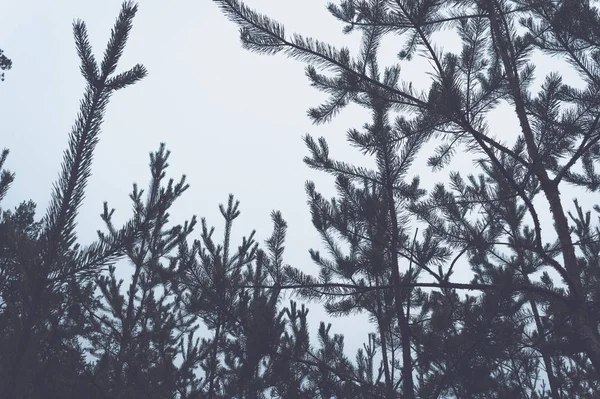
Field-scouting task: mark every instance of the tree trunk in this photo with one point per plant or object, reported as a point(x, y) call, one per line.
point(403, 322)
point(585, 329)
point(543, 350)
point(213, 359)
point(384, 351)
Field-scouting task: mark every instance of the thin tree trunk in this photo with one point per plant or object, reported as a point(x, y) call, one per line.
point(403, 322)
point(407, 377)
point(384, 352)
point(213, 360)
point(543, 350)
point(120, 388)
point(584, 328)
point(393, 360)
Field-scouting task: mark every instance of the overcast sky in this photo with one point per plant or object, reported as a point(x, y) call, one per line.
point(233, 120)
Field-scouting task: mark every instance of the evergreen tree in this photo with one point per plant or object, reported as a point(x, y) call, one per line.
point(204, 319)
point(246, 325)
point(208, 282)
point(46, 275)
point(68, 330)
point(138, 336)
point(489, 218)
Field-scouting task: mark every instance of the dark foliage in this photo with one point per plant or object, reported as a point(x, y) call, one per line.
point(5, 64)
point(533, 331)
point(207, 317)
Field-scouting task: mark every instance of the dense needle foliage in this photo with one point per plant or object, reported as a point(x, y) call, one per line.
point(206, 317)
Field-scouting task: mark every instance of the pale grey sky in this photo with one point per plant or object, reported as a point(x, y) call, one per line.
point(233, 120)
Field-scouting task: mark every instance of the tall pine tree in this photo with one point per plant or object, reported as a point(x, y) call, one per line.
point(489, 218)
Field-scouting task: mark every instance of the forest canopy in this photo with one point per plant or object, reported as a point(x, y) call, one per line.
point(208, 317)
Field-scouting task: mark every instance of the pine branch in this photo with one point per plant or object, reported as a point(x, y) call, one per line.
point(6, 177)
point(69, 190)
point(351, 289)
point(259, 33)
point(118, 39)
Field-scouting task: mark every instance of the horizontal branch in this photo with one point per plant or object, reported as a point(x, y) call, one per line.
point(523, 288)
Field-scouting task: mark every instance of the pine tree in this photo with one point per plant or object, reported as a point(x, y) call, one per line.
point(489, 218)
point(247, 325)
point(137, 336)
point(69, 329)
point(259, 323)
point(208, 282)
point(365, 215)
point(45, 272)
